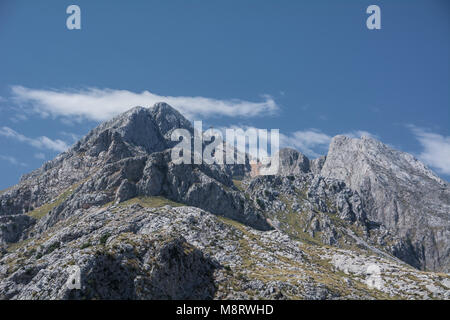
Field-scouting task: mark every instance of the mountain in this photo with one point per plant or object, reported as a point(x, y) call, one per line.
point(399, 192)
point(139, 226)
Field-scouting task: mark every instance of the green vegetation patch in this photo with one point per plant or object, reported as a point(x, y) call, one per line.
point(238, 184)
point(294, 223)
point(238, 225)
point(52, 247)
point(43, 210)
point(17, 245)
point(105, 238)
point(151, 202)
point(86, 245)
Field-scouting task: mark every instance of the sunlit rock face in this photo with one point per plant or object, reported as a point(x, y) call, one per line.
point(399, 192)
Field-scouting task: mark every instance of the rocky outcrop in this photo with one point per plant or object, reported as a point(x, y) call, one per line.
point(319, 210)
point(400, 193)
point(206, 187)
point(316, 165)
point(291, 162)
point(13, 227)
point(137, 132)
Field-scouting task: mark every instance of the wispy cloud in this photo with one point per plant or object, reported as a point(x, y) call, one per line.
point(39, 155)
point(311, 142)
point(436, 149)
point(18, 117)
point(72, 136)
point(314, 142)
point(103, 104)
point(12, 160)
point(42, 142)
point(307, 141)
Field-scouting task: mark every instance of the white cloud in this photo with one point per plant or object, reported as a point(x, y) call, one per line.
point(246, 130)
point(42, 142)
point(310, 142)
point(18, 117)
point(314, 143)
point(39, 156)
point(12, 160)
point(436, 149)
point(103, 104)
point(72, 136)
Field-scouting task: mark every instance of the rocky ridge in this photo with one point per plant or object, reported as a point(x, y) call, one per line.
point(141, 227)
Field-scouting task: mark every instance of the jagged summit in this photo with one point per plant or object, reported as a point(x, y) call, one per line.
point(399, 192)
point(138, 131)
point(292, 162)
point(161, 113)
point(375, 153)
point(143, 130)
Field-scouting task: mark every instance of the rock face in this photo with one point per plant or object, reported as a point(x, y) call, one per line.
point(139, 226)
point(291, 162)
point(13, 227)
point(400, 193)
point(126, 157)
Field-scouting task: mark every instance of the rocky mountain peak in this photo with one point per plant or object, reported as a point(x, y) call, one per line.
point(370, 152)
point(399, 192)
point(126, 157)
point(168, 119)
point(141, 130)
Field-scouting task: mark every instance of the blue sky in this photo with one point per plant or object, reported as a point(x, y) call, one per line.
point(310, 68)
